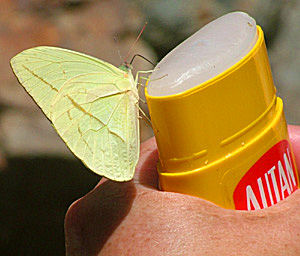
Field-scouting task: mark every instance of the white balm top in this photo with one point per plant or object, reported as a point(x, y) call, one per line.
point(210, 51)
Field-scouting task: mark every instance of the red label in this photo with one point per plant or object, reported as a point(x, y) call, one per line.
point(271, 179)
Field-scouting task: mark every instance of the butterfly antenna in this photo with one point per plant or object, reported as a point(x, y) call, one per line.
point(138, 37)
point(120, 56)
point(118, 49)
point(141, 56)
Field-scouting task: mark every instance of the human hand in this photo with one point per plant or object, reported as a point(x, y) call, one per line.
point(135, 218)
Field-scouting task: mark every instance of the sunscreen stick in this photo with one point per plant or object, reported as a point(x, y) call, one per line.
point(219, 126)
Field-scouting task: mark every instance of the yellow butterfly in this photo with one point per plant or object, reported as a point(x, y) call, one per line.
point(92, 105)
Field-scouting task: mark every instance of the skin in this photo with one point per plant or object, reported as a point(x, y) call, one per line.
point(135, 218)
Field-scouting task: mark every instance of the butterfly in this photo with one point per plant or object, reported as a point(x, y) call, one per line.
point(92, 105)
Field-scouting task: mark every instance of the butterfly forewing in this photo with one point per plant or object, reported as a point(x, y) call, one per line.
point(91, 103)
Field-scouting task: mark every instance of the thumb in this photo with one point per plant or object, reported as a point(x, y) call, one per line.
point(145, 172)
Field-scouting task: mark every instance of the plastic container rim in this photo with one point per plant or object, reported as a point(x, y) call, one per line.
point(207, 83)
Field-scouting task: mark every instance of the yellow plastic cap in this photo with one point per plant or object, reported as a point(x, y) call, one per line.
point(209, 136)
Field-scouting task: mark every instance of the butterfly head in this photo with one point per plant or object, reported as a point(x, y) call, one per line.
point(127, 67)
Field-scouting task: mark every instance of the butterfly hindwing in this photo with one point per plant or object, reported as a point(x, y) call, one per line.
point(102, 127)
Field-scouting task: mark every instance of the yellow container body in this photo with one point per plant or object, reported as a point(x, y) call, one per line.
point(209, 136)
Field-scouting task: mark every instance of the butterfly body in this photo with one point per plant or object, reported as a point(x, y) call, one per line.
point(92, 105)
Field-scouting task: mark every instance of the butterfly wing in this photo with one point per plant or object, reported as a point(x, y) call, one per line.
point(43, 70)
point(91, 103)
point(98, 121)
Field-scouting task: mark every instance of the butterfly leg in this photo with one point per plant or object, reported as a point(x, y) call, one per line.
point(145, 78)
point(141, 72)
point(159, 78)
point(144, 116)
point(143, 101)
point(139, 85)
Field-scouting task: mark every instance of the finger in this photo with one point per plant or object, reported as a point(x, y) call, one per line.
point(145, 172)
point(92, 219)
point(294, 132)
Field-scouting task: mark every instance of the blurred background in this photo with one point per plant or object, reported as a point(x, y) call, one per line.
point(39, 177)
